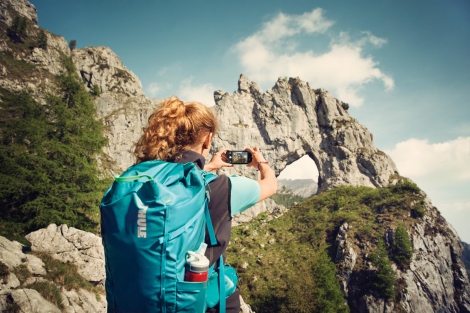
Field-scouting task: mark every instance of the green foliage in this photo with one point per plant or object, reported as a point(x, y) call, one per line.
point(95, 91)
point(405, 186)
point(18, 29)
point(65, 274)
point(22, 273)
point(418, 211)
point(345, 105)
point(316, 290)
point(277, 260)
point(42, 40)
point(16, 68)
point(402, 251)
point(48, 291)
point(72, 44)
point(385, 280)
point(286, 197)
point(48, 172)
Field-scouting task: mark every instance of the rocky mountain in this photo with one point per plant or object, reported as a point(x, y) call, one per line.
point(291, 120)
point(466, 256)
point(286, 122)
point(301, 187)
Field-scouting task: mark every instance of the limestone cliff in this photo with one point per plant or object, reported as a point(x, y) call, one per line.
point(291, 120)
point(121, 104)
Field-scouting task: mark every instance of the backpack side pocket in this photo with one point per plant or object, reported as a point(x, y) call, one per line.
point(190, 297)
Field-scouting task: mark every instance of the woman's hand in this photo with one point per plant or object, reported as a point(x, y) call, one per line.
point(257, 157)
point(218, 161)
point(268, 180)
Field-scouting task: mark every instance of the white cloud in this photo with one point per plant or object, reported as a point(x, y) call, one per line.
point(442, 170)
point(303, 168)
point(447, 162)
point(271, 53)
point(458, 215)
point(153, 89)
point(201, 93)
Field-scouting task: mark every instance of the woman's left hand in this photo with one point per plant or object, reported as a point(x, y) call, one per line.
point(218, 161)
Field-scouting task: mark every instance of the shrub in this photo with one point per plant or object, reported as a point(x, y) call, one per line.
point(384, 280)
point(18, 29)
point(95, 91)
point(401, 248)
point(42, 40)
point(405, 186)
point(72, 44)
point(418, 211)
point(48, 291)
point(345, 105)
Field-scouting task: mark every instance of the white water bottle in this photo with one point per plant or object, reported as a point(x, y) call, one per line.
point(197, 265)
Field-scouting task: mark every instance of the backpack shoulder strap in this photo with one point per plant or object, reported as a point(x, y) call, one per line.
point(209, 177)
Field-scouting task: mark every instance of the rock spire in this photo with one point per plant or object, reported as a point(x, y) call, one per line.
point(291, 120)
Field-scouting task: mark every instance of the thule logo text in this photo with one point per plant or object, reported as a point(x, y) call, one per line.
point(142, 222)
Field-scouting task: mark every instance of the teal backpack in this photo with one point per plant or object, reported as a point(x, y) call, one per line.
point(151, 216)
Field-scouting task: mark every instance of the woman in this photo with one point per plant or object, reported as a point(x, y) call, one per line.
point(182, 132)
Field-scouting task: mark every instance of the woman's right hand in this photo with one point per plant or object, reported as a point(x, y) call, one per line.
point(268, 180)
point(257, 157)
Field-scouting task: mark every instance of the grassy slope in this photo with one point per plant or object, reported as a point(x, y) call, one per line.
point(278, 260)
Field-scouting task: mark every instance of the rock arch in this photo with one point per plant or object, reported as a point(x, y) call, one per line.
point(291, 120)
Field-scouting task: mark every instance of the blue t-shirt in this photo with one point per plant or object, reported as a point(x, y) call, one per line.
point(244, 193)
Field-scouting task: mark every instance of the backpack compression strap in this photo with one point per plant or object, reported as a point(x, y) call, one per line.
point(221, 282)
point(209, 177)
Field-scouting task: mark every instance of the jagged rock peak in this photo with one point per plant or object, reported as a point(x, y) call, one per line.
point(102, 67)
point(291, 120)
point(9, 9)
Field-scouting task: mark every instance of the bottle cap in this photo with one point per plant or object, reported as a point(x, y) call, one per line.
point(196, 262)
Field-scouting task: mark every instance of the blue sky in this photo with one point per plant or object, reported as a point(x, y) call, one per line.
point(403, 66)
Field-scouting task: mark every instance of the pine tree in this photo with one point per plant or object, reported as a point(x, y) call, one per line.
point(48, 172)
point(402, 251)
point(72, 44)
point(385, 281)
point(316, 290)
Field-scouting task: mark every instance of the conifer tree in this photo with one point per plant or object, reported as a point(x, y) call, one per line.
point(384, 282)
point(72, 44)
point(402, 251)
point(48, 172)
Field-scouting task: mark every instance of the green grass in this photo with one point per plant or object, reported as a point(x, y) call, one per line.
point(66, 274)
point(58, 274)
point(48, 291)
point(275, 257)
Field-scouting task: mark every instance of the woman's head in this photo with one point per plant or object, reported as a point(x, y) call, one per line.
point(174, 127)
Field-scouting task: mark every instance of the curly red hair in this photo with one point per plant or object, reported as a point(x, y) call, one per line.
point(174, 127)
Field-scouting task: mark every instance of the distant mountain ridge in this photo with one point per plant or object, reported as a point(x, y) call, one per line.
point(301, 187)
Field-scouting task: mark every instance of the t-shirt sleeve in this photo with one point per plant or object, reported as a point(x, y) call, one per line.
point(244, 193)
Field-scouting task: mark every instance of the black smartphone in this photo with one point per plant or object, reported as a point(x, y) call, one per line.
point(238, 157)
